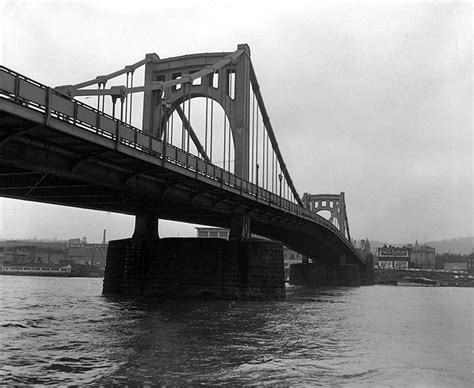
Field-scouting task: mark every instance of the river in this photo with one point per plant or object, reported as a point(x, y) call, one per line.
point(61, 331)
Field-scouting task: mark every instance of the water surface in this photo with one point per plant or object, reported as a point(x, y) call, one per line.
point(61, 331)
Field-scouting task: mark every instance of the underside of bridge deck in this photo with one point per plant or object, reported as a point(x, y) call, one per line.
point(38, 163)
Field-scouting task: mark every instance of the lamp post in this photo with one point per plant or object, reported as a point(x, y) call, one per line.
point(256, 179)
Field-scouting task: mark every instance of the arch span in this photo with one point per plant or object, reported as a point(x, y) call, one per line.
point(201, 126)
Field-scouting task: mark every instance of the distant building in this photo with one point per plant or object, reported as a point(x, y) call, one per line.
point(454, 262)
point(220, 233)
point(365, 246)
point(213, 233)
point(75, 251)
point(80, 252)
point(21, 252)
point(362, 245)
point(393, 257)
point(470, 264)
point(77, 242)
point(422, 256)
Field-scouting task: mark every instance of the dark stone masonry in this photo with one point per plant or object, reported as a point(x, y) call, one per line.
point(195, 268)
point(322, 275)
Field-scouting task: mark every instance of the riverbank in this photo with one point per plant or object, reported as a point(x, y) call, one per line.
point(52, 270)
point(443, 277)
point(86, 271)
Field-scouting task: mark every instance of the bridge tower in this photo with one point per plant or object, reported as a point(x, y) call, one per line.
point(340, 271)
point(228, 85)
point(335, 204)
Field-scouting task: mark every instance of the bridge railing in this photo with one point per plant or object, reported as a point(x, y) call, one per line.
point(33, 95)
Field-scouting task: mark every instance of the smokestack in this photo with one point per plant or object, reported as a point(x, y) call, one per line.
point(105, 233)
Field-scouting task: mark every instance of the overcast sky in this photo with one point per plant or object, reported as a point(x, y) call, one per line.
point(371, 99)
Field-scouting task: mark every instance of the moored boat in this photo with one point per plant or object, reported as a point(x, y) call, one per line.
point(36, 269)
point(418, 282)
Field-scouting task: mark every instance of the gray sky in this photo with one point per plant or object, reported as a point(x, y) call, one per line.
point(371, 99)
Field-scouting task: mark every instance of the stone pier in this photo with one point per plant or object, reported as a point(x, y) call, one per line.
point(194, 268)
point(146, 265)
point(322, 275)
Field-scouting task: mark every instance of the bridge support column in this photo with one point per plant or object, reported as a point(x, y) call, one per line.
point(240, 228)
point(128, 260)
point(146, 226)
point(367, 271)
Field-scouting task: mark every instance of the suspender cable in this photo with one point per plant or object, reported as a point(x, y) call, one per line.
point(230, 83)
point(229, 133)
point(166, 116)
point(230, 129)
point(131, 100)
point(264, 130)
point(171, 127)
point(263, 155)
point(273, 171)
point(206, 86)
point(225, 85)
point(183, 146)
point(266, 120)
point(265, 163)
point(276, 172)
point(103, 99)
point(189, 116)
point(212, 128)
point(256, 148)
point(225, 134)
point(252, 133)
point(98, 97)
point(167, 128)
point(266, 154)
point(165, 136)
point(126, 102)
point(159, 130)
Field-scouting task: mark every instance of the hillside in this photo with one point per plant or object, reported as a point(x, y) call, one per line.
point(464, 245)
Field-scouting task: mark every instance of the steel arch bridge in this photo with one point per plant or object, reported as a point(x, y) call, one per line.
point(231, 173)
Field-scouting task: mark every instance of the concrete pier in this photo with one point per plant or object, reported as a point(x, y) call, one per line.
point(195, 268)
point(322, 275)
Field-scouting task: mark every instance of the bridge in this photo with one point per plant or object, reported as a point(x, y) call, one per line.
point(206, 153)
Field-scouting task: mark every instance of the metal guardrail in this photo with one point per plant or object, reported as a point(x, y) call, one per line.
point(52, 104)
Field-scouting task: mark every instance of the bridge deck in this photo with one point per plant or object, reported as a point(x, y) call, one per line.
point(58, 150)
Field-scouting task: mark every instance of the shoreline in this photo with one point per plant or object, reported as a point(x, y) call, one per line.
point(444, 278)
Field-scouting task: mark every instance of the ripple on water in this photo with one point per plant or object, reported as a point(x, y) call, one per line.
point(65, 333)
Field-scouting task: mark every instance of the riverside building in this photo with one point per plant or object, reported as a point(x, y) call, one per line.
point(393, 257)
point(422, 256)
